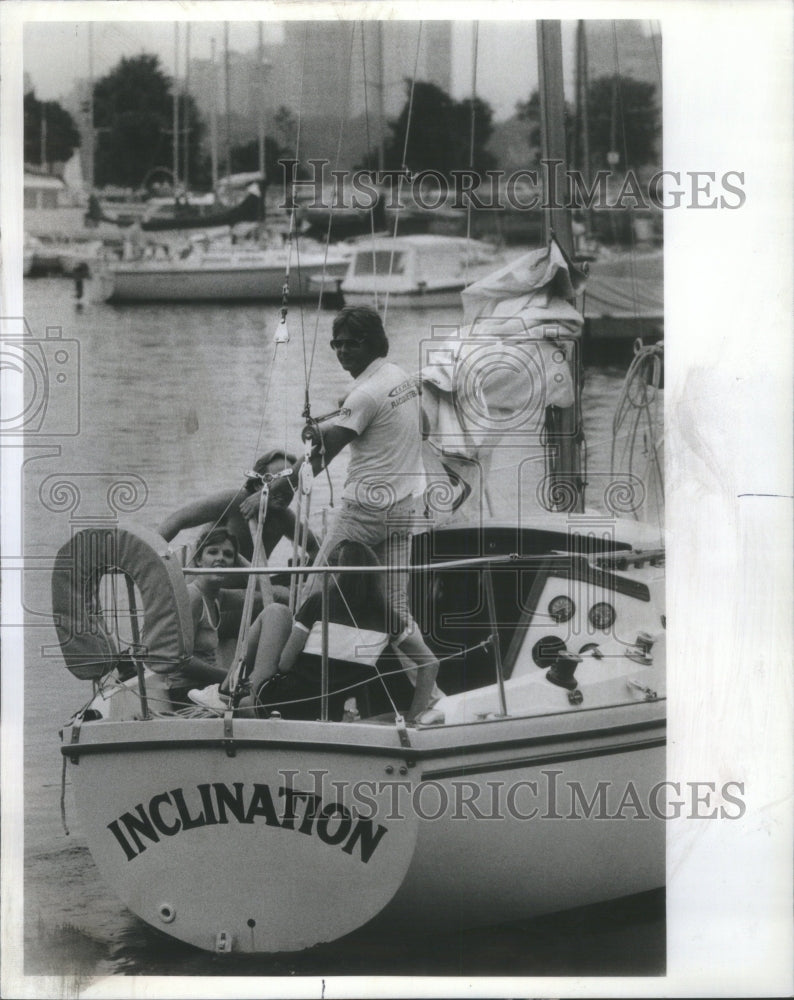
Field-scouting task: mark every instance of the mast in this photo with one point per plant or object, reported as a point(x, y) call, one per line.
point(43, 138)
point(186, 117)
point(381, 111)
point(175, 144)
point(557, 219)
point(583, 110)
point(90, 131)
point(261, 94)
point(228, 101)
point(563, 425)
point(214, 119)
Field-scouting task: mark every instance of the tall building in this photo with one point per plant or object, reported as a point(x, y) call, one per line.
point(336, 76)
point(623, 47)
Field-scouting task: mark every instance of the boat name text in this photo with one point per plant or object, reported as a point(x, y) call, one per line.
point(169, 813)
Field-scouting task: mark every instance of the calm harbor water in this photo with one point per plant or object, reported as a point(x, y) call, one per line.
point(171, 402)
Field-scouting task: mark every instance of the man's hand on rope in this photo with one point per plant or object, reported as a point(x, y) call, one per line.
point(249, 507)
point(281, 494)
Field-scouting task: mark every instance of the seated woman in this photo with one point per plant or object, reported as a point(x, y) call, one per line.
point(284, 657)
point(223, 508)
point(215, 548)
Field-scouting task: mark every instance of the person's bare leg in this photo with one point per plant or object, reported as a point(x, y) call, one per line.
point(267, 639)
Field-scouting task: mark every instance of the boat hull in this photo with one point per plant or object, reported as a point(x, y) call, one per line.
point(217, 838)
point(431, 298)
point(210, 282)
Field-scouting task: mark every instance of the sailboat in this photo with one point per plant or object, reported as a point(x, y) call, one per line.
point(533, 784)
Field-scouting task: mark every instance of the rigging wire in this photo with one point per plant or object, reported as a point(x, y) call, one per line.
point(474, 52)
point(653, 28)
point(358, 630)
point(342, 121)
point(621, 113)
point(369, 155)
point(638, 406)
point(646, 368)
point(403, 164)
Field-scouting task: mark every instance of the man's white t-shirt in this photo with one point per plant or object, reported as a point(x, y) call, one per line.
point(384, 409)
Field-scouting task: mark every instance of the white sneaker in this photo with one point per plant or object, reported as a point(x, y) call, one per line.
point(209, 697)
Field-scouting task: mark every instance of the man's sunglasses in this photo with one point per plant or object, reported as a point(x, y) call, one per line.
point(352, 343)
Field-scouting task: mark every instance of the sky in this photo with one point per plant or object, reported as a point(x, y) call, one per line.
point(57, 53)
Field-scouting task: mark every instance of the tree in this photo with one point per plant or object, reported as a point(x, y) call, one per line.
point(59, 131)
point(439, 132)
point(133, 116)
point(529, 111)
point(634, 126)
point(623, 117)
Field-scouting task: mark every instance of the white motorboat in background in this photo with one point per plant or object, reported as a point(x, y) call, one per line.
point(414, 271)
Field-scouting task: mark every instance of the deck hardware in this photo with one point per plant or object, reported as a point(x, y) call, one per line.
point(228, 733)
point(403, 769)
point(402, 731)
point(562, 670)
point(593, 649)
point(223, 941)
point(575, 697)
point(77, 722)
point(649, 693)
point(642, 650)
point(389, 769)
point(546, 650)
point(166, 912)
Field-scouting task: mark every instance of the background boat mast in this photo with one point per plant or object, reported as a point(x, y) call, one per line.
point(228, 98)
point(214, 120)
point(261, 92)
point(185, 116)
point(90, 131)
point(175, 144)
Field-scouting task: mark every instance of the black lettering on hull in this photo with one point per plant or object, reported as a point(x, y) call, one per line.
point(174, 812)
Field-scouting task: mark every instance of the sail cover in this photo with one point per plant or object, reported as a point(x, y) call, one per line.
point(486, 388)
point(510, 359)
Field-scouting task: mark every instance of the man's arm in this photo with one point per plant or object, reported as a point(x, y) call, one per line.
point(334, 439)
point(192, 515)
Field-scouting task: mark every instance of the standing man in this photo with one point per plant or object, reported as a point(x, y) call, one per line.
point(380, 422)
